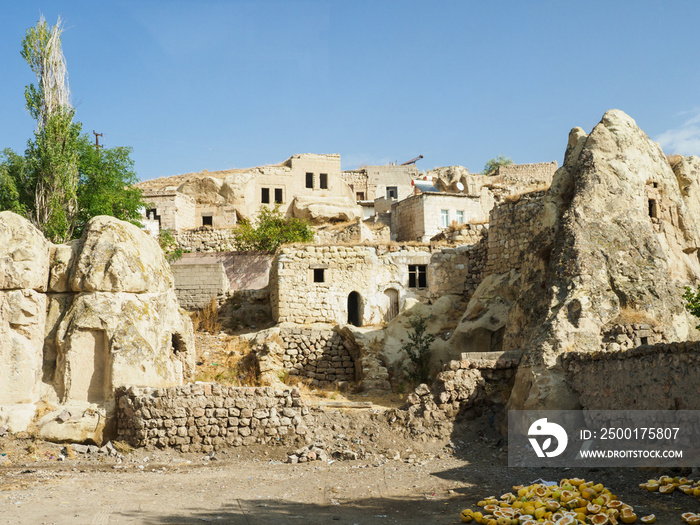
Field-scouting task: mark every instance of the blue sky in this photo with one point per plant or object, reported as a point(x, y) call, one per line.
point(194, 85)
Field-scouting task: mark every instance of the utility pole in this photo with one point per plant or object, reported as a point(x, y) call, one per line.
point(97, 140)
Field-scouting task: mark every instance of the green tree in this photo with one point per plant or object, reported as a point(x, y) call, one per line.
point(106, 184)
point(418, 350)
point(493, 164)
point(271, 231)
point(62, 181)
point(692, 301)
point(51, 163)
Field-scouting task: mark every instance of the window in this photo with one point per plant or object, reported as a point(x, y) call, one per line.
point(278, 196)
point(265, 198)
point(417, 276)
point(309, 180)
point(444, 218)
point(152, 214)
point(360, 195)
point(460, 217)
point(319, 275)
point(207, 220)
point(323, 181)
point(653, 208)
point(392, 192)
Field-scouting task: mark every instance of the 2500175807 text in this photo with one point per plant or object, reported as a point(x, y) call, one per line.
point(639, 433)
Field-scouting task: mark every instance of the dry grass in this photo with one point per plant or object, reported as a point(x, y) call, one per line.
point(207, 318)
point(476, 312)
point(628, 316)
point(515, 197)
point(237, 366)
point(122, 447)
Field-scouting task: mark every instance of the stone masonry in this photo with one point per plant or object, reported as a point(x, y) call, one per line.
point(511, 231)
point(320, 355)
point(205, 417)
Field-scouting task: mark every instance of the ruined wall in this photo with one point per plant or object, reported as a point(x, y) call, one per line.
point(206, 417)
point(511, 231)
point(205, 240)
point(358, 232)
point(358, 183)
point(174, 210)
point(664, 376)
point(197, 284)
point(478, 383)
point(527, 175)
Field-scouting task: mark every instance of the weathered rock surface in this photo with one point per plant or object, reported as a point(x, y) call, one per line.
point(24, 254)
point(110, 318)
point(115, 256)
point(616, 242)
point(323, 209)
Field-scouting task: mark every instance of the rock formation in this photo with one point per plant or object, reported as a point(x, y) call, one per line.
point(80, 319)
point(325, 209)
point(617, 241)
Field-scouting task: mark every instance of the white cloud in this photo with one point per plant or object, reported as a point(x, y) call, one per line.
point(684, 140)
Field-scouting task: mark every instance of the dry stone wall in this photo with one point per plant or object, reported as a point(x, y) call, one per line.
point(664, 376)
point(205, 240)
point(319, 355)
point(511, 231)
point(206, 417)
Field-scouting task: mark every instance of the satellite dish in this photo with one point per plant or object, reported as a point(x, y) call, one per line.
point(460, 186)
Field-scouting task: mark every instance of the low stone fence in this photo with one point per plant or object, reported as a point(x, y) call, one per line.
point(665, 376)
point(206, 417)
point(320, 355)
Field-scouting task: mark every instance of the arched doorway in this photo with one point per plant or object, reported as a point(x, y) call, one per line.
point(392, 296)
point(355, 309)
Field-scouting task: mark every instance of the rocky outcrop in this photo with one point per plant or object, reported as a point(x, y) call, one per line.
point(324, 209)
point(81, 319)
point(615, 240)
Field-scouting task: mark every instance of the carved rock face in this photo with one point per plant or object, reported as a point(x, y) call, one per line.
point(110, 318)
point(615, 238)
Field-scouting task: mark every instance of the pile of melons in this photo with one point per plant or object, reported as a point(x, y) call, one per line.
point(667, 485)
point(572, 502)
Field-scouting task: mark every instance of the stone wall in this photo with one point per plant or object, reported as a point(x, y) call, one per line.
point(358, 232)
point(319, 355)
point(206, 417)
point(651, 377)
point(205, 240)
point(510, 232)
point(527, 175)
point(197, 284)
point(477, 383)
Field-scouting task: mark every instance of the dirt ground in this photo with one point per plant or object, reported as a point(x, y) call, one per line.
point(46, 483)
point(395, 478)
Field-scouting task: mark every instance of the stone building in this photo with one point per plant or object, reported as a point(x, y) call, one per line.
point(390, 182)
point(422, 216)
point(361, 285)
point(305, 185)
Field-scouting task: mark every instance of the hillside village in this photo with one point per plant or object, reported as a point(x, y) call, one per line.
point(529, 279)
point(544, 287)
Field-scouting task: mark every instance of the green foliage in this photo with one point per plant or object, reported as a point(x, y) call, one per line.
point(418, 350)
point(61, 182)
point(272, 230)
point(106, 184)
point(493, 164)
point(692, 301)
point(169, 245)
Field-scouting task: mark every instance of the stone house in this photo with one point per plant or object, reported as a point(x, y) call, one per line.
point(424, 215)
point(390, 182)
point(360, 285)
point(219, 199)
